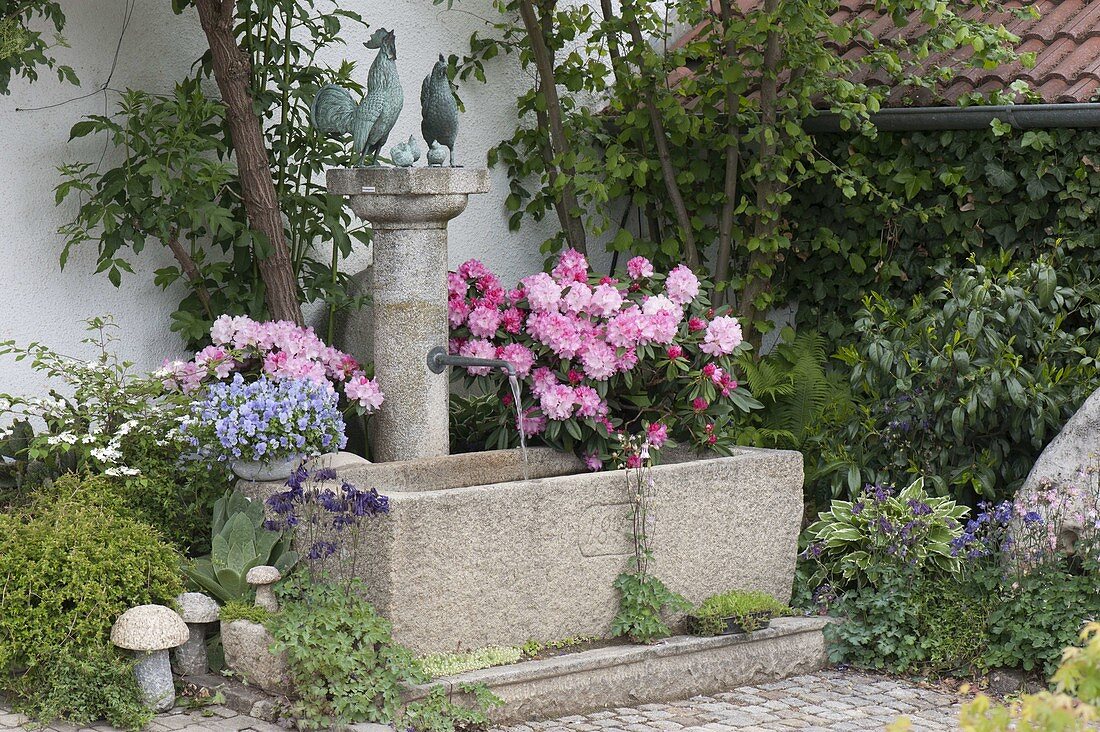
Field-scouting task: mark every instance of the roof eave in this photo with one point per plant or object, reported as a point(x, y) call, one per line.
point(1020, 116)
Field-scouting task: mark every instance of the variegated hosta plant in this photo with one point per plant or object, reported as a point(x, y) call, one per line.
point(855, 542)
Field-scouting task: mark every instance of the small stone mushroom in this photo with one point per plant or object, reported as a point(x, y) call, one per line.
point(262, 578)
point(149, 631)
point(198, 611)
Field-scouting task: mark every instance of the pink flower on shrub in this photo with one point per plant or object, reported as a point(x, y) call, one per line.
point(571, 267)
point(456, 285)
point(674, 352)
point(364, 391)
point(696, 324)
point(578, 298)
point(599, 360)
point(657, 434)
point(625, 329)
point(634, 461)
point(592, 462)
point(628, 359)
point(512, 320)
point(532, 423)
point(519, 356)
point(557, 402)
point(605, 301)
point(478, 348)
point(457, 311)
point(682, 285)
point(699, 404)
point(562, 333)
point(473, 269)
point(661, 327)
point(588, 402)
point(723, 336)
point(543, 293)
point(542, 379)
point(483, 321)
point(639, 267)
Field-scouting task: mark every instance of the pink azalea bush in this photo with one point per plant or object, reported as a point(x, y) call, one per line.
point(278, 349)
point(600, 357)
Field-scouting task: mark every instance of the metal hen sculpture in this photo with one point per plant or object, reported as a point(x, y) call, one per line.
point(334, 112)
point(439, 110)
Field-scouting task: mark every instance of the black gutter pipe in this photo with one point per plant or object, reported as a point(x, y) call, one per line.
point(977, 117)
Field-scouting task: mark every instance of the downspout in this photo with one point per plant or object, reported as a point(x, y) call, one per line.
point(1020, 116)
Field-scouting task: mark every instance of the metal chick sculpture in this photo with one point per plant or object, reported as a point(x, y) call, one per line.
point(439, 110)
point(370, 122)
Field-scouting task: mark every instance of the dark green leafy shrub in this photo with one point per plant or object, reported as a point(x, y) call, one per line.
point(966, 386)
point(83, 686)
point(880, 627)
point(642, 600)
point(438, 712)
point(952, 620)
point(748, 609)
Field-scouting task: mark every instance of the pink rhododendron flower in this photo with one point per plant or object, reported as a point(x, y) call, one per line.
point(682, 285)
point(478, 348)
point(519, 355)
point(723, 336)
point(578, 298)
point(657, 434)
point(542, 379)
point(543, 293)
point(532, 423)
point(454, 345)
point(456, 285)
point(709, 370)
point(571, 267)
point(557, 402)
point(472, 269)
point(696, 324)
point(639, 267)
point(592, 462)
point(457, 311)
point(364, 391)
point(699, 404)
point(483, 321)
point(589, 403)
point(599, 360)
point(512, 320)
point(634, 461)
point(605, 301)
point(564, 334)
point(628, 359)
point(674, 352)
point(625, 329)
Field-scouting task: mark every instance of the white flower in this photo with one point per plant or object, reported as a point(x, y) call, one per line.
point(106, 454)
point(67, 438)
point(122, 471)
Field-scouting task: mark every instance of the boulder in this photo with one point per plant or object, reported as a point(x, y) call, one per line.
point(248, 654)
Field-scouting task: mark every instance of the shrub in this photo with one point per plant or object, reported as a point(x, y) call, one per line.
point(748, 609)
point(881, 627)
point(966, 386)
point(436, 665)
point(602, 356)
point(69, 566)
point(856, 541)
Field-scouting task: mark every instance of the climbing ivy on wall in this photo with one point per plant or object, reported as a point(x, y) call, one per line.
point(962, 193)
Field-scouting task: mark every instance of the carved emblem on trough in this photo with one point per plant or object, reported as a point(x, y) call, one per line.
point(605, 530)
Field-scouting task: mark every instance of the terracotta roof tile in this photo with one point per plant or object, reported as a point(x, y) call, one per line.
point(1065, 39)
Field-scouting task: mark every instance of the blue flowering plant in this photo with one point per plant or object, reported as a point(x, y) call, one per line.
point(860, 542)
point(331, 513)
point(265, 421)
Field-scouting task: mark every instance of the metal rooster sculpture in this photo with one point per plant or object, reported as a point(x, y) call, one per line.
point(439, 110)
point(334, 112)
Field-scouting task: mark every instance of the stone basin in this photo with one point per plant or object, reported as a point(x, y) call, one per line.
point(472, 554)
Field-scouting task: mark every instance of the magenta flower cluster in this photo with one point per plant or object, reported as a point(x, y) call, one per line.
point(278, 349)
point(584, 344)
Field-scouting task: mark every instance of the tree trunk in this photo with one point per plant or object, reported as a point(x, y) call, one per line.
point(668, 172)
point(767, 217)
point(191, 272)
point(571, 223)
point(232, 71)
point(729, 188)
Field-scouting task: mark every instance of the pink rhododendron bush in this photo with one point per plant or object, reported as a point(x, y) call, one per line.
point(601, 356)
point(278, 349)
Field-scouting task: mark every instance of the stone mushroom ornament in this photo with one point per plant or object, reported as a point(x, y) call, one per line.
point(198, 611)
point(262, 578)
point(149, 631)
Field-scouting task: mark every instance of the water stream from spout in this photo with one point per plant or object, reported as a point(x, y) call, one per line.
point(516, 394)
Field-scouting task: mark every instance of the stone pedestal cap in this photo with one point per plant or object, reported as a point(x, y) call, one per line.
point(196, 607)
point(405, 181)
point(263, 575)
point(407, 198)
point(149, 628)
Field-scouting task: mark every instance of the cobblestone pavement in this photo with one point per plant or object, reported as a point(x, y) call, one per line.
point(832, 701)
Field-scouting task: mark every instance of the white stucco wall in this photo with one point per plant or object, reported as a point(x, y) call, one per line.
point(40, 302)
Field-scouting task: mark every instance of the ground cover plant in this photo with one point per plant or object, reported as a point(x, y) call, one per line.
point(1020, 583)
point(749, 610)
